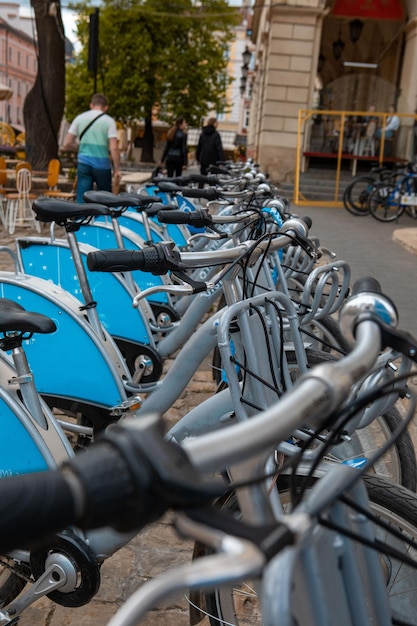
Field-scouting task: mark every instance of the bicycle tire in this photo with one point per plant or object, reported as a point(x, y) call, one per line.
point(12, 580)
point(393, 503)
point(400, 461)
point(385, 203)
point(328, 335)
point(399, 464)
point(356, 194)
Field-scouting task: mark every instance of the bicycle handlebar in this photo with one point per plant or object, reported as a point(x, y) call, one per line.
point(132, 475)
point(156, 259)
point(163, 257)
point(196, 218)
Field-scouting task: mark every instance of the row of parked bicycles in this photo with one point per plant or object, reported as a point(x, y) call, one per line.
point(384, 193)
point(296, 480)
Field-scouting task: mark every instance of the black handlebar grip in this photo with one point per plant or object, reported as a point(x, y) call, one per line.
point(307, 221)
point(366, 284)
point(207, 194)
point(119, 260)
point(198, 219)
point(173, 217)
point(33, 506)
point(211, 179)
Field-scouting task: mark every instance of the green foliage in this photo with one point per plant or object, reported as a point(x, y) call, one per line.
point(155, 56)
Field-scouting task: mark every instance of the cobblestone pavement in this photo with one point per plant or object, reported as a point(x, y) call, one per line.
point(149, 554)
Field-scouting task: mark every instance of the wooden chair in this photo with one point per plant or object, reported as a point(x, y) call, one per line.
point(4, 189)
point(53, 191)
point(19, 203)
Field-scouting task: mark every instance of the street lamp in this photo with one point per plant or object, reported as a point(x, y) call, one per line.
point(355, 30)
point(338, 47)
point(246, 56)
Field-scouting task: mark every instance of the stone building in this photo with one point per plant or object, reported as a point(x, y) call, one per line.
point(18, 61)
point(327, 54)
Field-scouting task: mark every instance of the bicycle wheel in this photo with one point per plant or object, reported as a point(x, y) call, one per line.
point(13, 579)
point(385, 203)
point(398, 464)
point(326, 336)
point(356, 194)
point(392, 503)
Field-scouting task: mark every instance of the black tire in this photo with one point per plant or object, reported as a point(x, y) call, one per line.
point(385, 203)
point(389, 501)
point(398, 464)
point(356, 195)
point(11, 584)
point(327, 336)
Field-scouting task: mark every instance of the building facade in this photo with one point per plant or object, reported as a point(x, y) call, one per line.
point(18, 61)
point(327, 54)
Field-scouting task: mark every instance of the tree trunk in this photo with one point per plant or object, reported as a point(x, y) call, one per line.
point(44, 105)
point(148, 139)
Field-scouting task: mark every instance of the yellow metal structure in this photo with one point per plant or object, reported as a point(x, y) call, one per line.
point(336, 128)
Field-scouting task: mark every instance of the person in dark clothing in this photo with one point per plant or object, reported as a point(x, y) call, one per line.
point(209, 148)
point(175, 152)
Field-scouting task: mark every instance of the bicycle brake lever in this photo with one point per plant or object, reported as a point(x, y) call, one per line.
point(308, 246)
point(400, 340)
point(197, 286)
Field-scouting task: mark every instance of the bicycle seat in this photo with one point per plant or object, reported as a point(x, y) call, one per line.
point(14, 317)
point(122, 200)
point(52, 210)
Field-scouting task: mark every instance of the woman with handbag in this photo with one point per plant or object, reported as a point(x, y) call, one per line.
point(175, 152)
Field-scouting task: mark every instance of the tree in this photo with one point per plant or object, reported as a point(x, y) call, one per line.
point(156, 58)
point(44, 104)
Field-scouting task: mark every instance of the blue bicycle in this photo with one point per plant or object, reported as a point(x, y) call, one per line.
point(388, 202)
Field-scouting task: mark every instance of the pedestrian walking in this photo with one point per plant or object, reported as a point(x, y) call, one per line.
point(97, 147)
point(175, 152)
point(209, 149)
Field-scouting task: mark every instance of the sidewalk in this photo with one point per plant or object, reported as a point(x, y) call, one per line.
point(406, 237)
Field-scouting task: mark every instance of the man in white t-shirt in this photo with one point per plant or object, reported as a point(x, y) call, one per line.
point(97, 149)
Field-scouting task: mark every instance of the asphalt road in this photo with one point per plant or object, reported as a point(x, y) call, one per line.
point(368, 247)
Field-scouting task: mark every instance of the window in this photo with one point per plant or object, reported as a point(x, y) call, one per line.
point(18, 58)
point(18, 88)
point(10, 53)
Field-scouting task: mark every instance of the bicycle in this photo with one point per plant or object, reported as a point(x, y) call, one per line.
point(389, 201)
point(356, 194)
point(59, 596)
point(215, 410)
point(84, 500)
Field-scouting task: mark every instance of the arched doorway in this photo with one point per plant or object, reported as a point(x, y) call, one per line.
point(361, 55)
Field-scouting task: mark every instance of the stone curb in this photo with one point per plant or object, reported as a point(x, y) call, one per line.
point(406, 237)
